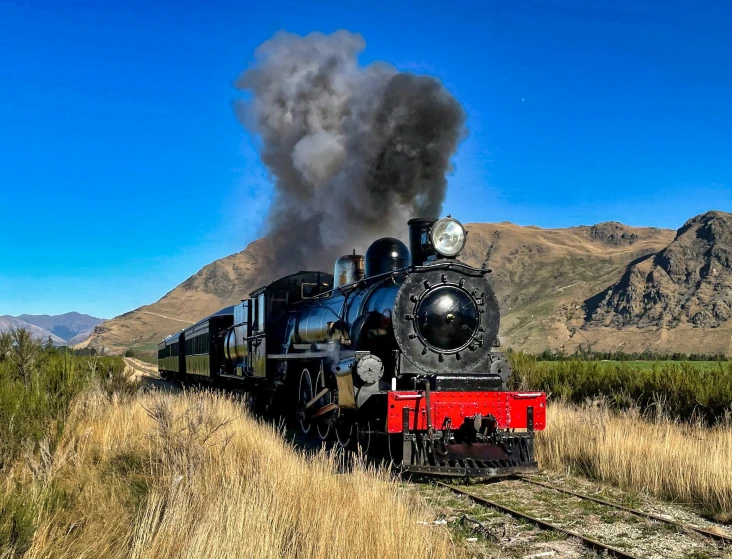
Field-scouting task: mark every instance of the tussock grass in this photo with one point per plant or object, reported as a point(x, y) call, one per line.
point(674, 461)
point(193, 475)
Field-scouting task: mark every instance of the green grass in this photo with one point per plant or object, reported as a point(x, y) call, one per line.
point(700, 365)
point(681, 390)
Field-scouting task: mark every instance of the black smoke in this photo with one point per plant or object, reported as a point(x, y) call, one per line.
point(354, 151)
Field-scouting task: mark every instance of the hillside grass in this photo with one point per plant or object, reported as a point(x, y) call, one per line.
point(38, 388)
point(680, 462)
point(93, 467)
point(681, 391)
point(194, 475)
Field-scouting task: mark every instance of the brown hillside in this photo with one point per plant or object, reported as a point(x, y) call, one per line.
point(542, 277)
point(221, 283)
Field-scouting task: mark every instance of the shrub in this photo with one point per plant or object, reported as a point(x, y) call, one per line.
point(37, 386)
point(682, 390)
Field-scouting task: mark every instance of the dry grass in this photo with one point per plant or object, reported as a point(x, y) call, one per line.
point(192, 475)
point(674, 461)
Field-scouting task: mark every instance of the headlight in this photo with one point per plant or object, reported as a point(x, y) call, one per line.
point(448, 237)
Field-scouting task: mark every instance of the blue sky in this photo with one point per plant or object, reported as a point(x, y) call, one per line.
point(123, 169)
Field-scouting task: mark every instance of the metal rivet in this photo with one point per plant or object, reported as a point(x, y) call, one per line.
point(458, 356)
point(462, 282)
point(442, 358)
point(426, 284)
point(414, 298)
point(444, 278)
point(408, 317)
point(424, 350)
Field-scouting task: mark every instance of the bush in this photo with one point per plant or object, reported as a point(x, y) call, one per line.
point(37, 386)
point(586, 355)
point(682, 390)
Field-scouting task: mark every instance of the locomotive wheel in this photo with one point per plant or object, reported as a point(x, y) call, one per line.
point(344, 432)
point(305, 394)
point(323, 423)
point(363, 436)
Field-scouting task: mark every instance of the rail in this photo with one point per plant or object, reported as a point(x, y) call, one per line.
point(588, 542)
point(720, 537)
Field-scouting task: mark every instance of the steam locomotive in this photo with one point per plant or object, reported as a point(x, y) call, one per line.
point(394, 352)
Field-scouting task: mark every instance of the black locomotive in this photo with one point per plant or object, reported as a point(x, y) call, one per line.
point(394, 351)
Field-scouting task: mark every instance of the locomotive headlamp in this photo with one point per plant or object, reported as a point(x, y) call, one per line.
point(448, 237)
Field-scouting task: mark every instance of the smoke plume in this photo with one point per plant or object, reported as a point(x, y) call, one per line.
point(354, 151)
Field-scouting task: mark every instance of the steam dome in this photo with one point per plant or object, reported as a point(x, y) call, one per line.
point(386, 255)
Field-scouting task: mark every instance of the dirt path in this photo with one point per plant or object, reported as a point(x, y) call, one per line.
point(147, 375)
point(167, 317)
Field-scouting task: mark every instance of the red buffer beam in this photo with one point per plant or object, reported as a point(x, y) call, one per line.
point(512, 410)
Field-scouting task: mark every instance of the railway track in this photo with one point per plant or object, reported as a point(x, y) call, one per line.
point(591, 542)
point(650, 516)
point(588, 542)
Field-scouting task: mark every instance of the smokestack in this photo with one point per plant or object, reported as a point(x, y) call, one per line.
point(354, 151)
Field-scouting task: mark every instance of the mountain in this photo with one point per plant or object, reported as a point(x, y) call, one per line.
point(605, 287)
point(543, 277)
point(8, 323)
point(680, 297)
point(70, 328)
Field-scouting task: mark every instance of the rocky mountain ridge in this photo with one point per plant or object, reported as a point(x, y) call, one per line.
point(688, 282)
